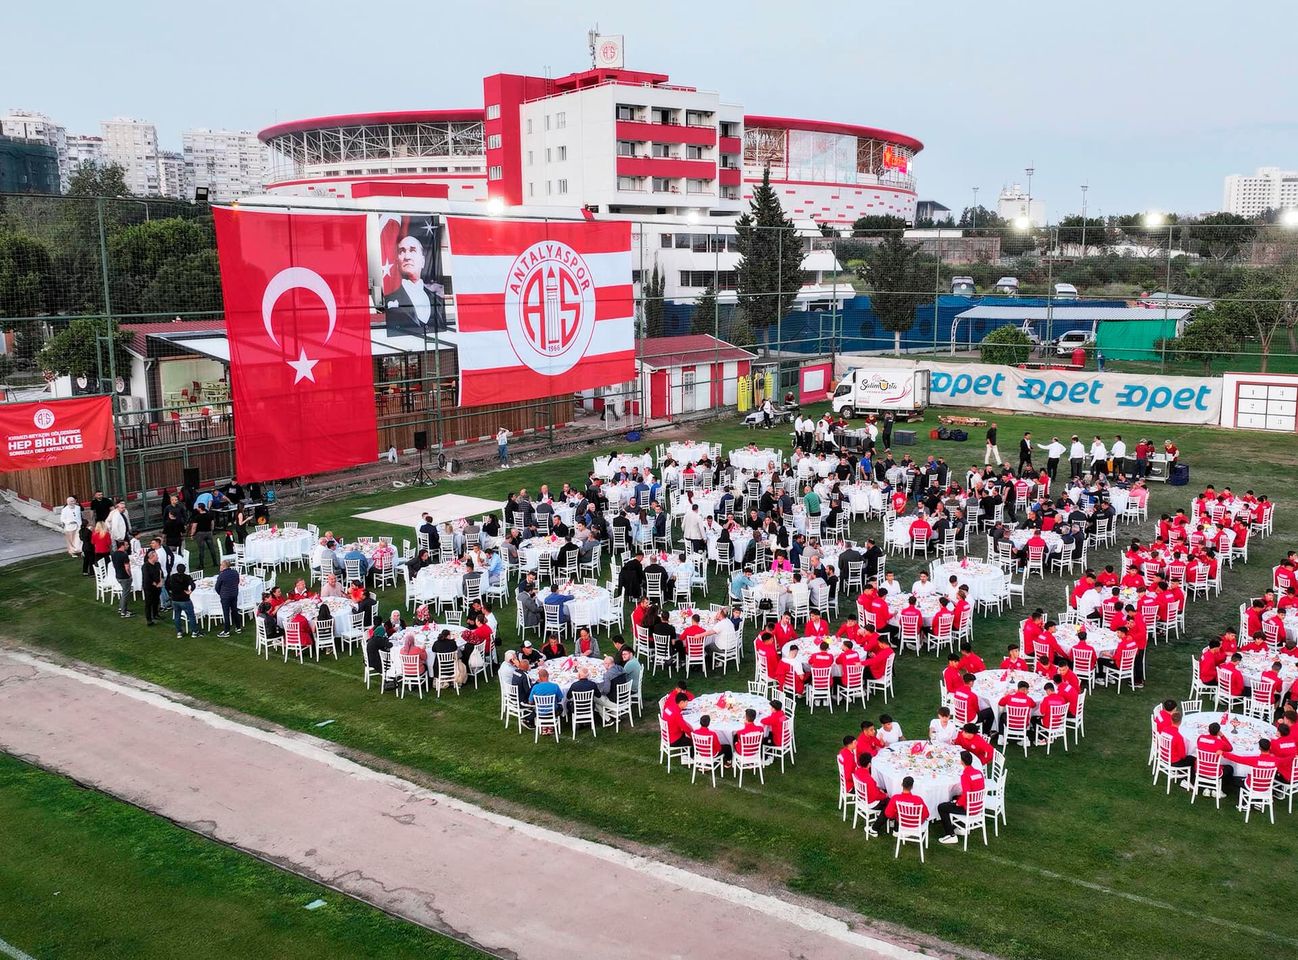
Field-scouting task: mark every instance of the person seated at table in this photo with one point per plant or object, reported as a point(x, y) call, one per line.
point(785, 630)
point(377, 642)
point(332, 587)
point(418, 562)
point(582, 684)
point(557, 599)
point(545, 687)
point(1234, 676)
point(694, 628)
point(907, 795)
point(952, 675)
point(1012, 659)
point(876, 665)
point(409, 648)
point(1255, 644)
point(530, 654)
point(867, 741)
point(774, 723)
point(889, 731)
point(970, 739)
point(299, 591)
point(970, 662)
point(585, 644)
point(276, 598)
point(971, 779)
point(678, 728)
point(821, 657)
point(704, 731)
point(553, 648)
point(816, 626)
point(780, 563)
point(846, 758)
point(305, 628)
point(943, 728)
point(863, 777)
point(1018, 697)
point(1052, 699)
point(323, 614)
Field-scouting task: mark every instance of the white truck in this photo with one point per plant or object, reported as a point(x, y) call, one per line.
point(903, 390)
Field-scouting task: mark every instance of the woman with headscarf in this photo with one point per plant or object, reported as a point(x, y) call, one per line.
point(396, 622)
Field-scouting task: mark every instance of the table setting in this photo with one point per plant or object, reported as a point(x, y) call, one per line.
point(984, 580)
point(727, 712)
point(935, 767)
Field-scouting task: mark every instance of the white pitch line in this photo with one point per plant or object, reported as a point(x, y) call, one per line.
point(9, 950)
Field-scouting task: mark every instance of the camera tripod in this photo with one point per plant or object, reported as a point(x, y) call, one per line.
point(421, 476)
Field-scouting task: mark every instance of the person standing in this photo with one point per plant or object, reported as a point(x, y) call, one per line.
point(179, 587)
point(1053, 452)
point(119, 525)
point(502, 445)
point(100, 506)
point(121, 560)
point(1119, 454)
point(1025, 452)
point(70, 521)
point(992, 453)
point(227, 591)
point(201, 524)
point(151, 584)
point(1099, 457)
point(1076, 455)
point(888, 420)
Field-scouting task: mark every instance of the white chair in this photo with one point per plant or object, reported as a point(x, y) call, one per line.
point(385, 663)
point(1076, 722)
point(1125, 669)
point(784, 748)
point(444, 672)
point(1223, 698)
point(1054, 726)
point(1207, 776)
point(554, 622)
point(413, 675)
point(883, 684)
point(707, 757)
point(1017, 588)
point(820, 690)
point(994, 799)
point(510, 706)
point(748, 756)
point(294, 642)
point(861, 809)
point(912, 827)
point(546, 717)
point(582, 711)
point(265, 643)
point(852, 688)
point(619, 707)
point(1198, 689)
point(1261, 702)
point(665, 749)
point(1163, 764)
point(1017, 725)
point(1256, 794)
point(973, 818)
point(324, 638)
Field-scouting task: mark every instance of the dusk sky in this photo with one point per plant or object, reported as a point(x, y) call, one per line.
point(1150, 103)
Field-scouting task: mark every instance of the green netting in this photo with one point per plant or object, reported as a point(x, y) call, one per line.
point(1133, 339)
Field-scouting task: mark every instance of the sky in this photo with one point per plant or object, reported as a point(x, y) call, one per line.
point(1149, 102)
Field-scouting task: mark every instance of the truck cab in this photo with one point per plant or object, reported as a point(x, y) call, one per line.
point(1007, 286)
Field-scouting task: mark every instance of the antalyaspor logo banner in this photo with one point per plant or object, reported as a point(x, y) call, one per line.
point(543, 308)
point(54, 432)
point(297, 314)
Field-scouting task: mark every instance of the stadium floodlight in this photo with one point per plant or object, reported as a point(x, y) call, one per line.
point(495, 207)
point(691, 216)
point(1289, 217)
point(1154, 219)
point(1022, 224)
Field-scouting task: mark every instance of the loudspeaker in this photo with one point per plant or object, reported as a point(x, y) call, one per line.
point(421, 439)
point(191, 477)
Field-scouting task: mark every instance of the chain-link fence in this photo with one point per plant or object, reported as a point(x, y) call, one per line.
point(116, 294)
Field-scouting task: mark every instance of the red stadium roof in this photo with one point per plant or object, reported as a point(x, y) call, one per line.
point(473, 115)
point(830, 126)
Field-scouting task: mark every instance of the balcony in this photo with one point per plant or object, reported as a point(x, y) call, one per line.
point(729, 176)
point(730, 145)
point(660, 167)
point(666, 133)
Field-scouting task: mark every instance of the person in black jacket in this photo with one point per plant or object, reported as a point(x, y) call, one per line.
point(179, 586)
point(87, 547)
point(151, 583)
point(631, 578)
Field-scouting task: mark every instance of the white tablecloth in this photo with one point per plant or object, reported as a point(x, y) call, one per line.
point(340, 607)
point(605, 467)
point(739, 543)
point(206, 602)
point(563, 670)
point(936, 771)
point(424, 639)
point(990, 686)
point(899, 532)
point(529, 551)
point(263, 546)
point(728, 720)
point(440, 581)
point(1242, 732)
point(1252, 664)
point(706, 500)
point(1104, 641)
point(755, 460)
point(984, 580)
point(1020, 538)
point(590, 604)
point(619, 494)
point(137, 567)
point(809, 466)
point(928, 606)
point(806, 647)
point(862, 496)
point(689, 452)
point(773, 587)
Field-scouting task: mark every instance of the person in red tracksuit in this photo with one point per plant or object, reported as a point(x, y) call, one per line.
point(952, 676)
point(890, 811)
point(863, 777)
point(848, 758)
point(1247, 764)
point(969, 739)
point(678, 728)
point(1235, 679)
point(971, 778)
point(970, 662)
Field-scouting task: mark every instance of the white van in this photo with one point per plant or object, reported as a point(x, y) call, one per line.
point(1009, 286)
point(899, 389)
point(1065, 291)
point(1073, 339)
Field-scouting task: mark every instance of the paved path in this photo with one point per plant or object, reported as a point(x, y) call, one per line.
point(431, 858)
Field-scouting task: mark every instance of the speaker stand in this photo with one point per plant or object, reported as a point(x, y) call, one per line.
point(421, 476)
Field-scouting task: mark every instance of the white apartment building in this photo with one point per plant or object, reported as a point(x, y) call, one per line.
point(133, 144)
point(1250, 195)
point(84, 149)
point(1014, 203)
point(229, 163)
point(171, 175)
point(27, 125)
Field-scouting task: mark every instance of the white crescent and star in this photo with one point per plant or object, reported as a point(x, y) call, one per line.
point(294, 278)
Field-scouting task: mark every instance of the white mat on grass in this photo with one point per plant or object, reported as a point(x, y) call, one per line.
point(448, 506)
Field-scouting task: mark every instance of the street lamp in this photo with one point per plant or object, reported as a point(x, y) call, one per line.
point(1289, 217)
point(1029, 171)
point(495, 207)
point(974, 209)
point(1084, 188)
point(1022, 224)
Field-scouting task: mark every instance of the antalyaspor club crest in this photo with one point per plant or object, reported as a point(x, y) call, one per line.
point(550, 307)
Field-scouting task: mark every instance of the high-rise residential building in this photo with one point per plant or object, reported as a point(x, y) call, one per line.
point(1014, 203)
point(171, 175)
point(1270, 188)
point(133, 144)
point(84, 149)
point(229, 163)
point(28, 166)
point(27, 125)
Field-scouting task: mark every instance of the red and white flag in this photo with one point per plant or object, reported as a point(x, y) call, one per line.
point(542, 308)
point(297, 314)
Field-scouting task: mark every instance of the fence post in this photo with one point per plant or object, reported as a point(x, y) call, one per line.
point(112, 345)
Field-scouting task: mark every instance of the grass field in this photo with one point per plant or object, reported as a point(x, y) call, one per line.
point(1094, 863)
point(84, 875)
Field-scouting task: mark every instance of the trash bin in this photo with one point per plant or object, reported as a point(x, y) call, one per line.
point(903, 438)
point(1079, 357)
point(935, 434)
point(1180, 475)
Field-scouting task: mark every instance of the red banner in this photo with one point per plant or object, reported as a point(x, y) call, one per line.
point(54, 432)
point(543, 308)
point(298, 317)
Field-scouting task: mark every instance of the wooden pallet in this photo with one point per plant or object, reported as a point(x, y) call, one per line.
point(963, 421)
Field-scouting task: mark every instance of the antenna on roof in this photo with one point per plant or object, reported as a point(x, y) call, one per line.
point(591, 37)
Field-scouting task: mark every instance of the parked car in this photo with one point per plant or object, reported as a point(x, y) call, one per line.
point(1065, 291)
point(963, 287)
point(1073, 339)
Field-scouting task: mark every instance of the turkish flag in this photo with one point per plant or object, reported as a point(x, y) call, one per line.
point(297, 314)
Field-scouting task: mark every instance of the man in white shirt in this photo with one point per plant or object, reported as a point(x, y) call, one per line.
point(692, 529)
point(1076, 454)
point(722, 631)
point(502, 445)
point(1089, 602)
point(943, 728)
point(1054, 450)
point(1099, 457)
point(889, 730)
point(923, 587)
point(1119, 454)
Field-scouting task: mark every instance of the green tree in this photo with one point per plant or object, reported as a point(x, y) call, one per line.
point(165, 266)
point(92, 180)
point(75, 350)
point(1223, 235)
point(1008, 345)
point(1215, 335)
point(898, 283)
point(740, 333)
point(652, 304)
point(1071, 232)
point(980, 218)
point(1264, 305)
point(877, 225)
point(769, 273)
point(705, 318)
point(26, 276)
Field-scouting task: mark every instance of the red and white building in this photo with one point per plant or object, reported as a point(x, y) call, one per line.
point(680, 375)
point(680, 161)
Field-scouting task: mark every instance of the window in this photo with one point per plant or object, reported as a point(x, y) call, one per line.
point(495, 173)
point(560, 120)
point(723, 279)
point(561, 153)
point(531, 189)
point(666, 241)
point(547, 154)
point(698, 186)
point(662, 150)
point(693, 153)
point(661, 185)
point(547, 121)
point(529, 124)
point(635, 274)
point(493, 142)
point(625, 111)
point(625, 148)
point(563, 186)
point(529, 158)
point(493, 111)
point(630, 183)
point(548, 191)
